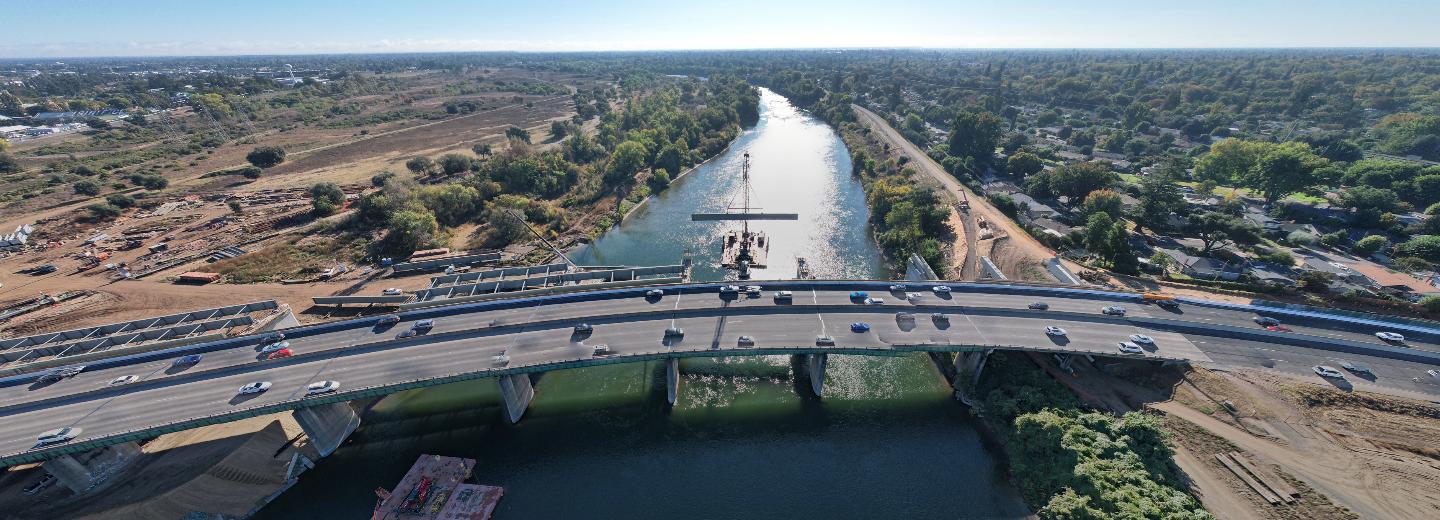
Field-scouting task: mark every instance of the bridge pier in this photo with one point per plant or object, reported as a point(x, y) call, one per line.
point(970, 364)
point(327, 425)
point(672, 380)
point(814, 366)
point(84, 471)
point(516, 393)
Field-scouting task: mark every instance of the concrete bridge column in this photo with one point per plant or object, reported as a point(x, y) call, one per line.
point(971, 364)
point(327, 425)
point(815, 368)
point(672, 380)
point(516, 393)
point(84, 471)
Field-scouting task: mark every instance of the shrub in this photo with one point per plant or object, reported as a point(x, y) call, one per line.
point(86, 187)
point(266, 156)
point(102, 212)
point(120, 200)
point(1370, 245)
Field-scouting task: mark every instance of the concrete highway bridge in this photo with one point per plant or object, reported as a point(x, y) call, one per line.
point(538, 335)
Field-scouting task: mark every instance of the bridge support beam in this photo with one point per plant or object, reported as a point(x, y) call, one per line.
point(815, 369)
point(85, 471)
point(327, 425)
point(516, 393)
point(672, 380)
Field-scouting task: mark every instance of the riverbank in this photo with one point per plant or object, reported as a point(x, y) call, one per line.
point(675, 180)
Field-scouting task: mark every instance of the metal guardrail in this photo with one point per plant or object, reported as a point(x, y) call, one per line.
point(85, 346)
point(480, 276)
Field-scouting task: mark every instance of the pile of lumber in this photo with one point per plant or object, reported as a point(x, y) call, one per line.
point(1270, 487)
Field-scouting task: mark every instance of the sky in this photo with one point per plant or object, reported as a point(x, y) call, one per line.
point(68, 28)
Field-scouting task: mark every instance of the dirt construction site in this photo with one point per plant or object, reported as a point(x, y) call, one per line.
point(1254, 444)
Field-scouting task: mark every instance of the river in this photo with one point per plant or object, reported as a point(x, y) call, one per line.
point(886, 441)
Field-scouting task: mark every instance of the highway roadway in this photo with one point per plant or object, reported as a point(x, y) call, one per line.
point(543, 336)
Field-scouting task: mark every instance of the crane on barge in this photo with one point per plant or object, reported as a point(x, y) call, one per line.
point(744, 250)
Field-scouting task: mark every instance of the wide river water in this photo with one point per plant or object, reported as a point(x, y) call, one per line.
point(887, 440)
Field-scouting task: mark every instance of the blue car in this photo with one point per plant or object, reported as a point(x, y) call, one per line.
point(859, 295)
point(188, 360)
point(859, 327)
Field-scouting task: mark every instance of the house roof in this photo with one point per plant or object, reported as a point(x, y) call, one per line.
point(1387, 278)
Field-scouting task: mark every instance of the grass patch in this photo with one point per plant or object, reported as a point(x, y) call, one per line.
point(296, 258)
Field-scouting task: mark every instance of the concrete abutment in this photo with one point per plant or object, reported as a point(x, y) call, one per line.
point(327, 425)
point(84, 471)
point(516, 391)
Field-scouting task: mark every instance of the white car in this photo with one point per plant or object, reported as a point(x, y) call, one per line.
point(501, 360)
point(783, 296)
point(654, 293)
point(1325, 371)
point(255, 388)
point(904, 316)
point(745, 341)
point(322, 387)
point(584, 328)
point(897, 288)
point(1390, 336)
point(753, 290)
point(874, 301)
point(392, 292)
point(730, 289)
point(124, 380)
point(1142, 339)
point(1130, 348)
point(941, 289)
point(1054, 331)
point(66, 434)
point(824, 341)
point(601, 349)
point(274, 347)
point(1112, 311)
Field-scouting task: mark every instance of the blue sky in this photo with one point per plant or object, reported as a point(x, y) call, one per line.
point(66, 28)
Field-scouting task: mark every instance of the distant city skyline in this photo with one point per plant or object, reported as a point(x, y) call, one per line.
point(63, 28)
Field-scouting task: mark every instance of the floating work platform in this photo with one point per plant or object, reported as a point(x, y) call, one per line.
point(434, 489)
point(734, 248)
point(802, 269)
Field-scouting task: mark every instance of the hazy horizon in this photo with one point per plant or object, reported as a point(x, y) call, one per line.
point(167, 28)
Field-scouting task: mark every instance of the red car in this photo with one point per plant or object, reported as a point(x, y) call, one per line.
point(1278, 328)
point(282, 353)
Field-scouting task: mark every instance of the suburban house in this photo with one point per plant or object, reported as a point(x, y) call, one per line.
point(1032, 208)
point(1201, 267)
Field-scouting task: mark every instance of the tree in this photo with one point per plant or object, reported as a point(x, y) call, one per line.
point(1431, 303)
point(420, 166)
point(558, 130)
point(1283, 169)
point(1122, 259)
point(1369, 203)
point(266, 156)
point(628, 159)
point(1370, 245)
point(482, 150)
point(1216, 230)
point(1229, 160)
point(516, 132)
point(1103, 201)
point(1161, 262)
point(975, 135)
point(1426, 247)
point(86, 187)
point(8, 164)
point(1159, 197)
point(1314, 281)
point(97, 123)
point(1024, 164)
point(452, 204)
point(1098, 229)
point(672, 157)
point(326, 198)
point(453, 163)
point(408, 230)
point(251, 172)
point(1078, 180)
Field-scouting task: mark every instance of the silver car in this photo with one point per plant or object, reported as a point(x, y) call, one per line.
point(66, 434)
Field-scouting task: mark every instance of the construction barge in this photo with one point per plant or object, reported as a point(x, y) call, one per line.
point(742, 250)
point(435, 489)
